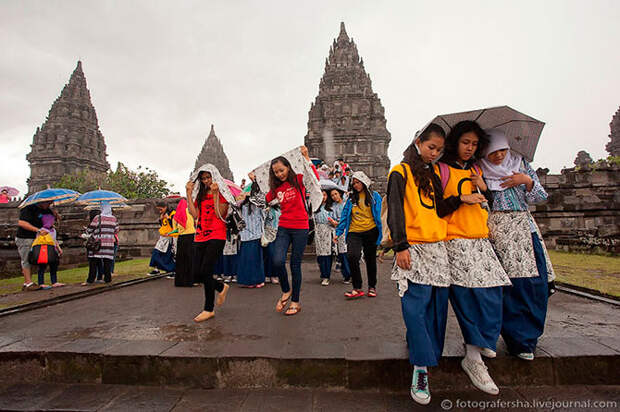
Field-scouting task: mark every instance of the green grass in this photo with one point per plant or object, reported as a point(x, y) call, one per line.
point(127, 270)
point(596, 272)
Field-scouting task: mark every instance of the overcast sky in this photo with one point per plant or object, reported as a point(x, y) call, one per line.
point(161, 72)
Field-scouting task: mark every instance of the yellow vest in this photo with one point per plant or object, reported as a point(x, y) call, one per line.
point(361, 216)
point(421, 221)
point(45, 239)
point(166, 227)
point(189, 228)
point(468, 221)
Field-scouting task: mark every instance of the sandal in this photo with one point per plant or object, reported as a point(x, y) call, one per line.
point(354, 294)
point(372, 293)
point(292, 311)
point(282, 303)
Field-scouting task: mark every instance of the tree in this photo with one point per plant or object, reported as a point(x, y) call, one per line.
point(140, 184)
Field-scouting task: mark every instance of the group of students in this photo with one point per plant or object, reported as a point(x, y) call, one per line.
point(462, 233)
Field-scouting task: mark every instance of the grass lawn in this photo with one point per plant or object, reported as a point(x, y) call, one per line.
point(601, 273)
point(127, 270)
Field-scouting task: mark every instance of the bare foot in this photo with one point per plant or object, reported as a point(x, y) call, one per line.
point(204, 315)
point(221, 296)
point(58, 285)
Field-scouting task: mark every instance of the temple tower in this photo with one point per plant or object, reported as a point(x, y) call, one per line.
point(69, 140)
point(347, 118)
point(213, 152)
point(613, 147)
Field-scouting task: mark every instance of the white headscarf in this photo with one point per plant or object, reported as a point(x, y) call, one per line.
point(216, 177)
point(493, 173)
point(361, 176)
point(106, 209)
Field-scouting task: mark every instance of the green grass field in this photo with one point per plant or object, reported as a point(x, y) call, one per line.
point(127, 270)
point(601, 273)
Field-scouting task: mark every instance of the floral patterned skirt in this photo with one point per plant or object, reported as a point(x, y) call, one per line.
point(510, 233)
point(429, 266)
point(474, 264)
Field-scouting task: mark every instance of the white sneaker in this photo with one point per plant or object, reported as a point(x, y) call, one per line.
point(488, 353)
point(528, 356)
point(325, 282)
point(479, 375)
point(419, 390)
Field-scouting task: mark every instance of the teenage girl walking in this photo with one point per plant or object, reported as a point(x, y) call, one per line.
point(421, 266)
point(477, 275)
point(288, 188)
point(361, 225)
point(209, 208)
point(518, 243)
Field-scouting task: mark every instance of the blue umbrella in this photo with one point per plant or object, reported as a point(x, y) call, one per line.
point(98, 196)
point(56, 196)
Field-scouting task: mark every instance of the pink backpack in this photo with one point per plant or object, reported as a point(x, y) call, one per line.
point(444, 173)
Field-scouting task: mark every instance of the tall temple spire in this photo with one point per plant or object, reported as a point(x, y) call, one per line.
point(347, 118)
point(613, 147)
point(69, 140)
point(213, 152)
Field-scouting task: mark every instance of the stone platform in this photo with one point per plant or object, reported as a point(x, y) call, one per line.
point(144, 335)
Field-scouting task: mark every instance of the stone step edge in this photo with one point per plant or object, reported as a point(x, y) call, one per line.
point(251, 372)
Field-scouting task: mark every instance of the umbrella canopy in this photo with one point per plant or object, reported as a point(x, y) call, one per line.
point(328, 185)
point(11, 191)
point(95, 206)
point(523, 131)
point(98, 196)
point(235, 189)
point(56, 196)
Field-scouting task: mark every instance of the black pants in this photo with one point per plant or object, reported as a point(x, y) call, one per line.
point(356, 242)
point(205, 257)
point(94, 263)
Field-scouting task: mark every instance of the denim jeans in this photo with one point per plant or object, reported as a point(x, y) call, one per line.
point(285, 237)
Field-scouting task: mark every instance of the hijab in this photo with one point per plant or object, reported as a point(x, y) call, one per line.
point(106, 209)
point(511, 164)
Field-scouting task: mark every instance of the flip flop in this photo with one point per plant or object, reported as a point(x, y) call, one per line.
point(282, 304)
point(292, 311)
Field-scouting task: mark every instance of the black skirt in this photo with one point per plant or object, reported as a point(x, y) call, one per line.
point(185, 254)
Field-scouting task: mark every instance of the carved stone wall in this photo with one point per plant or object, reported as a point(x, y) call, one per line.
point(583, 210)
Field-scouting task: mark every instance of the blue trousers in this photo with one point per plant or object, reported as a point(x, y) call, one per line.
point(325, 266)
point(479, 313)
point(297, 239)
point(425, 312)
point(344, 266)
point(525, 306)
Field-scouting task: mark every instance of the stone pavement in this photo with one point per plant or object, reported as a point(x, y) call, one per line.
point(144, 335)
point(89, 397)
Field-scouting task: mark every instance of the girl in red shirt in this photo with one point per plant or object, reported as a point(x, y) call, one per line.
point(209, 210)
point(288, 188)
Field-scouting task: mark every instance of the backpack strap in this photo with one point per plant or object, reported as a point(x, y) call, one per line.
point(477, 169)
point(444, 174)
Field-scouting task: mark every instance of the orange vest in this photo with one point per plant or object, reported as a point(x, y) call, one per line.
point(421, 221)
point(468, 221)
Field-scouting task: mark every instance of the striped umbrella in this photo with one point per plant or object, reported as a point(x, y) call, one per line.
point(523, 131)
point(56, 196)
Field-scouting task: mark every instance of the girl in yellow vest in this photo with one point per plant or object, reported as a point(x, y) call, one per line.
point(421, 267)
point(477, 276)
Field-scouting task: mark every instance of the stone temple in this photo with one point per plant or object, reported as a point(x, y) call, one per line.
point(613, 147)
point(213, 152)
point(69, 140)
point(347, 118)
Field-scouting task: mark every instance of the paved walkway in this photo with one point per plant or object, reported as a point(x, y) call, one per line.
point(56, 397)
point(136, 334)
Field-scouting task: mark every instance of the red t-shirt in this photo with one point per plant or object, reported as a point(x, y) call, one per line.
point(294, 215)
point(209, 225)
